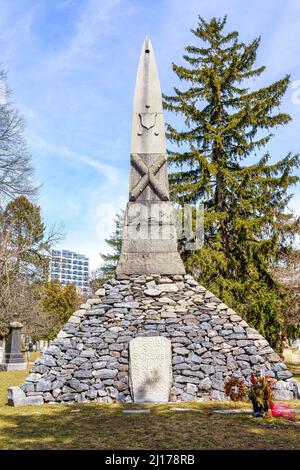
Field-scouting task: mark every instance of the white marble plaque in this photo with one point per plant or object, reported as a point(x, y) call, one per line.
point(150, 369)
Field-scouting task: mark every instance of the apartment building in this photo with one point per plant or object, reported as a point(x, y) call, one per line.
point(70, 268)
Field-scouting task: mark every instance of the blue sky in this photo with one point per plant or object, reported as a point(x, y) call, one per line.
point(71, 65)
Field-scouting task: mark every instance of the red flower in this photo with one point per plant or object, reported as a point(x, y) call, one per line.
point(252, 378)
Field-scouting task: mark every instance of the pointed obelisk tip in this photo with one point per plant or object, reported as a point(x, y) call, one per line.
point(147, 45)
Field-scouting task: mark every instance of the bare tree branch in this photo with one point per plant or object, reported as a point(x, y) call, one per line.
point(16, 169)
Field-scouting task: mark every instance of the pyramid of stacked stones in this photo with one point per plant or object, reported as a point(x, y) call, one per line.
point(88, 361)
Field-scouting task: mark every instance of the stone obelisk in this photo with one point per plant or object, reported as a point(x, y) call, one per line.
point(149, 241)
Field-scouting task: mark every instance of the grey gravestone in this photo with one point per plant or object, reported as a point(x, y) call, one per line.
point(150, 369)
point(149, 239)
point(12, 358)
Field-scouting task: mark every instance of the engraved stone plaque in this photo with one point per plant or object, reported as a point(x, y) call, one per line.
point(150, 369)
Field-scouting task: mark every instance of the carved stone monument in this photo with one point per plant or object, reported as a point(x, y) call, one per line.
point(150, 369)
point(149, 242)
point(117, 347)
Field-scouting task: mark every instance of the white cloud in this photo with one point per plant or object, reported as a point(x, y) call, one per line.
point(111, 173)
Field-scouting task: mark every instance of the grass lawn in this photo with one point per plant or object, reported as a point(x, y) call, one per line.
point(33, 356)
point(101, 426)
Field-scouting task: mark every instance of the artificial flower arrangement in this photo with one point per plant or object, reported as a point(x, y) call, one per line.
point(261, 394)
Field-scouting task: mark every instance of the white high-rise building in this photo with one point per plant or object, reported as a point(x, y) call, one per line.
point(70, 268)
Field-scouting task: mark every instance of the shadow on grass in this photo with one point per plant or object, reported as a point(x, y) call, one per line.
point(97, 426)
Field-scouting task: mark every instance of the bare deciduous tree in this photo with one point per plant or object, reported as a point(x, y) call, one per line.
point(16, 170)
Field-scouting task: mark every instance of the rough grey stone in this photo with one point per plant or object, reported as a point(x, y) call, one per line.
point(283, 394)
point(217, 395)
point(94, 301)
point(181, 379)
point(48, 397)
point(218, 385)
point(168, 288)
point(100, 292)
point(127, 305)
point(191, 389)
point(152, 292)
point(33, 377)
point(168, 314)
point(177, 359)
point(53, 350)
point(83, 374)
point(34, 400)
point(16, 396)
point(105, 373)
point(67, 396)
point(41, 369)
point(181, 351)
point(205, 384)
point(208, 370)
point(47, 360)
point(27, 387)
point(285, 374)
point(75, 384)
point(43, 386)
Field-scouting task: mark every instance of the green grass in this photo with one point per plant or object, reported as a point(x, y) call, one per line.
point(101, 426)
point(32, 356)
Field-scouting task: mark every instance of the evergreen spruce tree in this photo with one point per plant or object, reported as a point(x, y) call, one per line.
point(109, 266)
point(220, 161)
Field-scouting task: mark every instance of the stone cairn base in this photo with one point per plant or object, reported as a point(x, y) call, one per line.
point(88, 361)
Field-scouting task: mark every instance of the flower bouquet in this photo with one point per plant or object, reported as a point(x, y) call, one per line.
point(261, 394)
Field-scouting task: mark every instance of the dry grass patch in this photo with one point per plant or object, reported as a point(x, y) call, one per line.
point(101, 426)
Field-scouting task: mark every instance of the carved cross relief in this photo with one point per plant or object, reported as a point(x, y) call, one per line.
point(148, 177)
point(148, 170)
